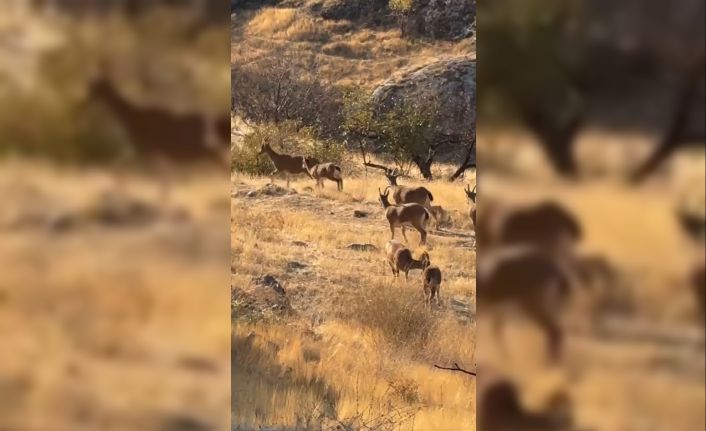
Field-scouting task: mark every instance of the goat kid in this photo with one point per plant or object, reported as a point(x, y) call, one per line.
point(400, 258)
point(322, 171)
point(431, 283)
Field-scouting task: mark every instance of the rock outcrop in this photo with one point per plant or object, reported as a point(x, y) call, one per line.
point(450, 82)
point(441, 19)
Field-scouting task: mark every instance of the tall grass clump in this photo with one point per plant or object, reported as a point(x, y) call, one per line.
point(287, 24)
point(400, 318)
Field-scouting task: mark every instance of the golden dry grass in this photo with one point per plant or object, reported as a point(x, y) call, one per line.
point(345, 54)
point(361, 347)
point(111, 327)
point(289, 24)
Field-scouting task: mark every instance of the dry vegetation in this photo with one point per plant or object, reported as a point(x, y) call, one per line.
point(346, 53)
point(288, 24)
point(640, 366)
point(348, 345)
point(358, 347)
point(112, 307)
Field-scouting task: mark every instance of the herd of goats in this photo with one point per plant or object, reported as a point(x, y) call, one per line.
point(529, 257)
point(529, 261)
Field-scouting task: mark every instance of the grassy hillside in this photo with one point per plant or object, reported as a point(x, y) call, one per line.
point(347, 53)
point(356, 342)
point(347, 344)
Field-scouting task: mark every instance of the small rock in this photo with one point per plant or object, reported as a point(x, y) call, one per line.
point(251, 194)
point(361, 247)
point(271, 282)
point(274, 190)
point(197, 364)
point(360, 214)
point(295, 266)
point(300, 244)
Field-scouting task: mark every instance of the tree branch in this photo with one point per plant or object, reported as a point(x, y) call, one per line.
point(456, 368)
point(376, 166)
point(468, 161)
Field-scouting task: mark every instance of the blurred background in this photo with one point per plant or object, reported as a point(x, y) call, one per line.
point(114, 137)
point(114, 250)
point(597, 108)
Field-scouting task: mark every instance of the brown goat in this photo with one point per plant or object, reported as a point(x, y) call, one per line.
point(409, 195)
point(471, 195)
point(322, 171)
point(431, 284)
point(546, 225)
point(287, 164)
point(440, 215)
point(530, 279)
point(500, 409)
point(159, 132)
point(405, 216)
point(400, 258)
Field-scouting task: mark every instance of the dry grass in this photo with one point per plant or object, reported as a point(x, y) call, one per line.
point(361, 346)
point(344, 53)
point(289, 24)
point(111, 327)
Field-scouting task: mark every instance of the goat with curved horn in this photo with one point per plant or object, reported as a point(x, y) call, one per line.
point(405, 216)
point(408, 195)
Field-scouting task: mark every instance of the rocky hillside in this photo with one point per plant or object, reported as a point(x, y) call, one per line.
point(393, 50)
point(450, 82)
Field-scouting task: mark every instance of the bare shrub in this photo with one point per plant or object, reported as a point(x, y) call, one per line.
point(272, 90)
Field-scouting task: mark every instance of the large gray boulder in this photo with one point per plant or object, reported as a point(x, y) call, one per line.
point(450, 82)
point(441, 19)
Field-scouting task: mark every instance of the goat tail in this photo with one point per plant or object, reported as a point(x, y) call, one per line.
point(427, 215)
point(431, 197)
